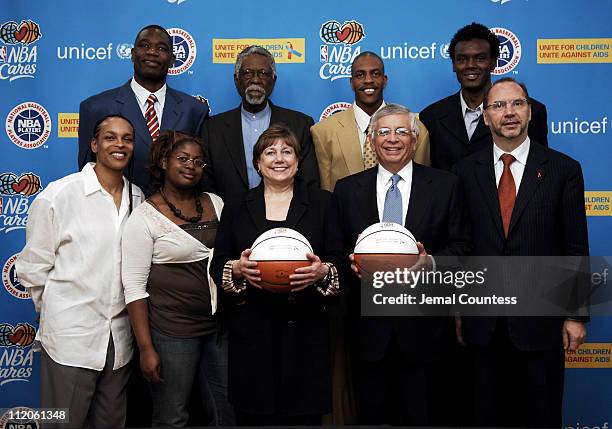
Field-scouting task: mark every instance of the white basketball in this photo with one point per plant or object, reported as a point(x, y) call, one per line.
point(386, 238)
point(280, 244)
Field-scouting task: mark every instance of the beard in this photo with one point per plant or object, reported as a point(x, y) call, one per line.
point(255, 99)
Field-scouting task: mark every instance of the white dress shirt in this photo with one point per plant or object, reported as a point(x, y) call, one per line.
point(517, 168)
point(142, 94)
point(71, 264)
point(150, 238)
point(363, 120)
point(383, 183)
point(470, 116)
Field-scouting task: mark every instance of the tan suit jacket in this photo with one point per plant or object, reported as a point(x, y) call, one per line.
point(336, 142)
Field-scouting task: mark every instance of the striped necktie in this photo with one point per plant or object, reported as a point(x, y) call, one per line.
point(151, 117)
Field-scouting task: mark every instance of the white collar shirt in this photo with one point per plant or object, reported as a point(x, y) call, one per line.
point(383, 182)
point(142, 94)
point(71, 264)
point(470, 116)
point(363, 120)
point(517, 168)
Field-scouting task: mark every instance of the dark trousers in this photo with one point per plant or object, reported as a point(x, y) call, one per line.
point(94, 398)
point(394, 390)
point(517, 388)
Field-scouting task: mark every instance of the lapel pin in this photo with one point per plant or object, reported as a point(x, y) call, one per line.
point(539, 174)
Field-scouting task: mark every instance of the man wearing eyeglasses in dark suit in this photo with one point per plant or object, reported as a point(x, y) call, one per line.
point(229, 137)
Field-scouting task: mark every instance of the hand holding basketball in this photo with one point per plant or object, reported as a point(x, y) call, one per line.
point(354, 266)
point(307, 276)
point(423, 262)
point(246, 268)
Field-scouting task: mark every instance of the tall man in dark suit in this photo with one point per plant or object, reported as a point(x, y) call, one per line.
point(455, 123)
point(145, 100)
point(394, 358)
point(229, 137)
point(523, 199)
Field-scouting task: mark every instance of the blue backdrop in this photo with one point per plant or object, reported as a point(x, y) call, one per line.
point(55, 54)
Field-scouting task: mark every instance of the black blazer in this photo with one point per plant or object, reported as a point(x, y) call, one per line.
point(182, 112)
point(226, 172)
point(548, 219)
point(279, 359)
point(435, 216)
point(448, 138)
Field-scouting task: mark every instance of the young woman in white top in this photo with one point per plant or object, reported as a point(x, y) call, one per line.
point(71, 266)
point(167, 245)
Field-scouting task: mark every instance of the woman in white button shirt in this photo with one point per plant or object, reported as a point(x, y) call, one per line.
point(167, 245)
point(71, 266)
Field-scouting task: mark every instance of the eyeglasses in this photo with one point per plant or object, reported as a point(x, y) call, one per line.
point(251, 73)
point(400, 132)
point(498, 106)
point(197, 163)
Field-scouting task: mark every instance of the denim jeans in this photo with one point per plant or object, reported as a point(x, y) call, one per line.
point(184, 360)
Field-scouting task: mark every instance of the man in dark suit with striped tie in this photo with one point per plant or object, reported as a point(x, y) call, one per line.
point(523, 199)
point(145, 100)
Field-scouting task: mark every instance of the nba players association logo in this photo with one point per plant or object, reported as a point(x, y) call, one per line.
point(339, 50)
point(10, 280)
point(509, 50)
point(28, 125)
point(184, 49)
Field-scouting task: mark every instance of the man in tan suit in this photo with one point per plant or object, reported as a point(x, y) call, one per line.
point(340, 141)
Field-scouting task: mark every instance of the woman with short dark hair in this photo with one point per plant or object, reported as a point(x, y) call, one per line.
point(279, 357)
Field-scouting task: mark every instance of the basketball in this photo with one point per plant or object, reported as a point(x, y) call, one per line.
point(23, 335)
point(385, 246)
point(278, 253)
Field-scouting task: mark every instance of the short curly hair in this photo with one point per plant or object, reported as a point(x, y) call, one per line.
point(161, 149)
point(475, 31)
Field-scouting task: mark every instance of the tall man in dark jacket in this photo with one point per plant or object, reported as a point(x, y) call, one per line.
point(145, 100)
point(455, 123)
point(229, 137)
point(394, 358)
point(523, 199)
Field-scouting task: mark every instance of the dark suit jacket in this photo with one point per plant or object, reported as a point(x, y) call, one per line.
point(279, 355)
point(548, 219)
point(435, 216)
point(226, 172)
point(448, 137)
point(182, 112)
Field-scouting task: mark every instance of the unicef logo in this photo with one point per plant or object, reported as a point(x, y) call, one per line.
point(184, 49)
point(10, 280)
point(28, 125)
point(444, 50)
point(509, 51)
point(124, 50)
